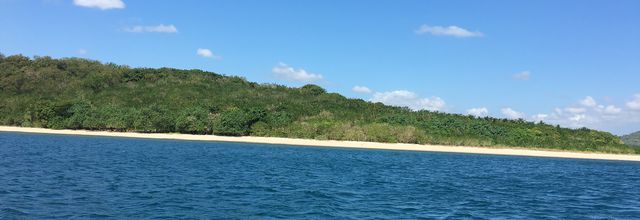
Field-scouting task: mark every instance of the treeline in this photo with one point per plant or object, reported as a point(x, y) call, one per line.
point(83, 94)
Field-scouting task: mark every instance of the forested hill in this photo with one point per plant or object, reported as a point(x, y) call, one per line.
point(632, 139)
point(83, 94)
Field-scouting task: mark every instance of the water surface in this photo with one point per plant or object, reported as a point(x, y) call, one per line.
point(73, 177)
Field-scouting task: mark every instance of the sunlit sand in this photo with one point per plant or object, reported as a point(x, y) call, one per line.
point(336, 144)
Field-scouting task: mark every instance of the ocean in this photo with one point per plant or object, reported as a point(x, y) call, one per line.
point(76, 177)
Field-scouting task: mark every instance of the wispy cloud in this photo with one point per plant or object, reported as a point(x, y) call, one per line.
point(575, 110)
point(635, 103)
point(82, 51)
point(524, 75)
point(409, 99)
point(152, 29)
point(512, 114)
point(286, 72)
point(101, 4)
point(478, 112)
point(539, 117)
point(609, 109)
point(587, 112)
point(453, 31)
point(588, 102)
point(206, 53)
point(361, 89)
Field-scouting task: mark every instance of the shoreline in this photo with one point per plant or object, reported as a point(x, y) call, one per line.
point(335, 144)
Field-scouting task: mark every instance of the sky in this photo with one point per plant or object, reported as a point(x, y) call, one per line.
point(573, 63)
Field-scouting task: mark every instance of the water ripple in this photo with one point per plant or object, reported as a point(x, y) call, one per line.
point(65, 177)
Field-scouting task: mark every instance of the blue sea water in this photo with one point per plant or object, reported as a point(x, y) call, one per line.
point(72, 177)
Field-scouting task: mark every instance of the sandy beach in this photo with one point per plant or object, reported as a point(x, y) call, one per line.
point(336, 144)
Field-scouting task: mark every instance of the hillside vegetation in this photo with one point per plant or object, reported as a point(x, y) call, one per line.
point(83, 94)
point(632, 139)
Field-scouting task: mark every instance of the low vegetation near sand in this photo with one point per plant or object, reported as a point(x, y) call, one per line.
point(77, 93)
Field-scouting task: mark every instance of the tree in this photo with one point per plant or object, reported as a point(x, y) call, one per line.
point(311, 89)
point(193, 120)
point(236, 122)
point(79, 112)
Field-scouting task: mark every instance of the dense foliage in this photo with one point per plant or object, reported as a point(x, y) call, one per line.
point(632, 139)
point(83, 94)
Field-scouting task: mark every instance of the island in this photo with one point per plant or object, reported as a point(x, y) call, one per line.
point(82, 94)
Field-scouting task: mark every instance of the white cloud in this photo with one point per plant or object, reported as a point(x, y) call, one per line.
point(361, 89)
point(82, 51)
point(409, 99)
point(539, 117)
point(512, 114)
point(574, 110)
point(588, 102)
point(453, 31)
point(558, 111)
point(587, 113)
point(524, 75)
point(478, 112)
point(578, 117)
point(101, 4)
point(609, 109)
point(612, 110)
point(635, 103)
point(289, 73)
point(568, 119)
point(206, 53)
point(161, 28)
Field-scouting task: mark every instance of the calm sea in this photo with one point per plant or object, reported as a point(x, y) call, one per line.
point(72, 177)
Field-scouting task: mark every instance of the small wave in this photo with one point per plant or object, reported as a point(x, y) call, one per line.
point(11, 213)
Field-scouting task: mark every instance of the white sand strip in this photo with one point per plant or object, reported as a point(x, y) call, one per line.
point(341, 144)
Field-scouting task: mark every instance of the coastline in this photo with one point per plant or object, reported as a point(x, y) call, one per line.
point(335, 144)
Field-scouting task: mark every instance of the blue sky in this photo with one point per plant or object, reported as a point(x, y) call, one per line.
point(574, 63)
